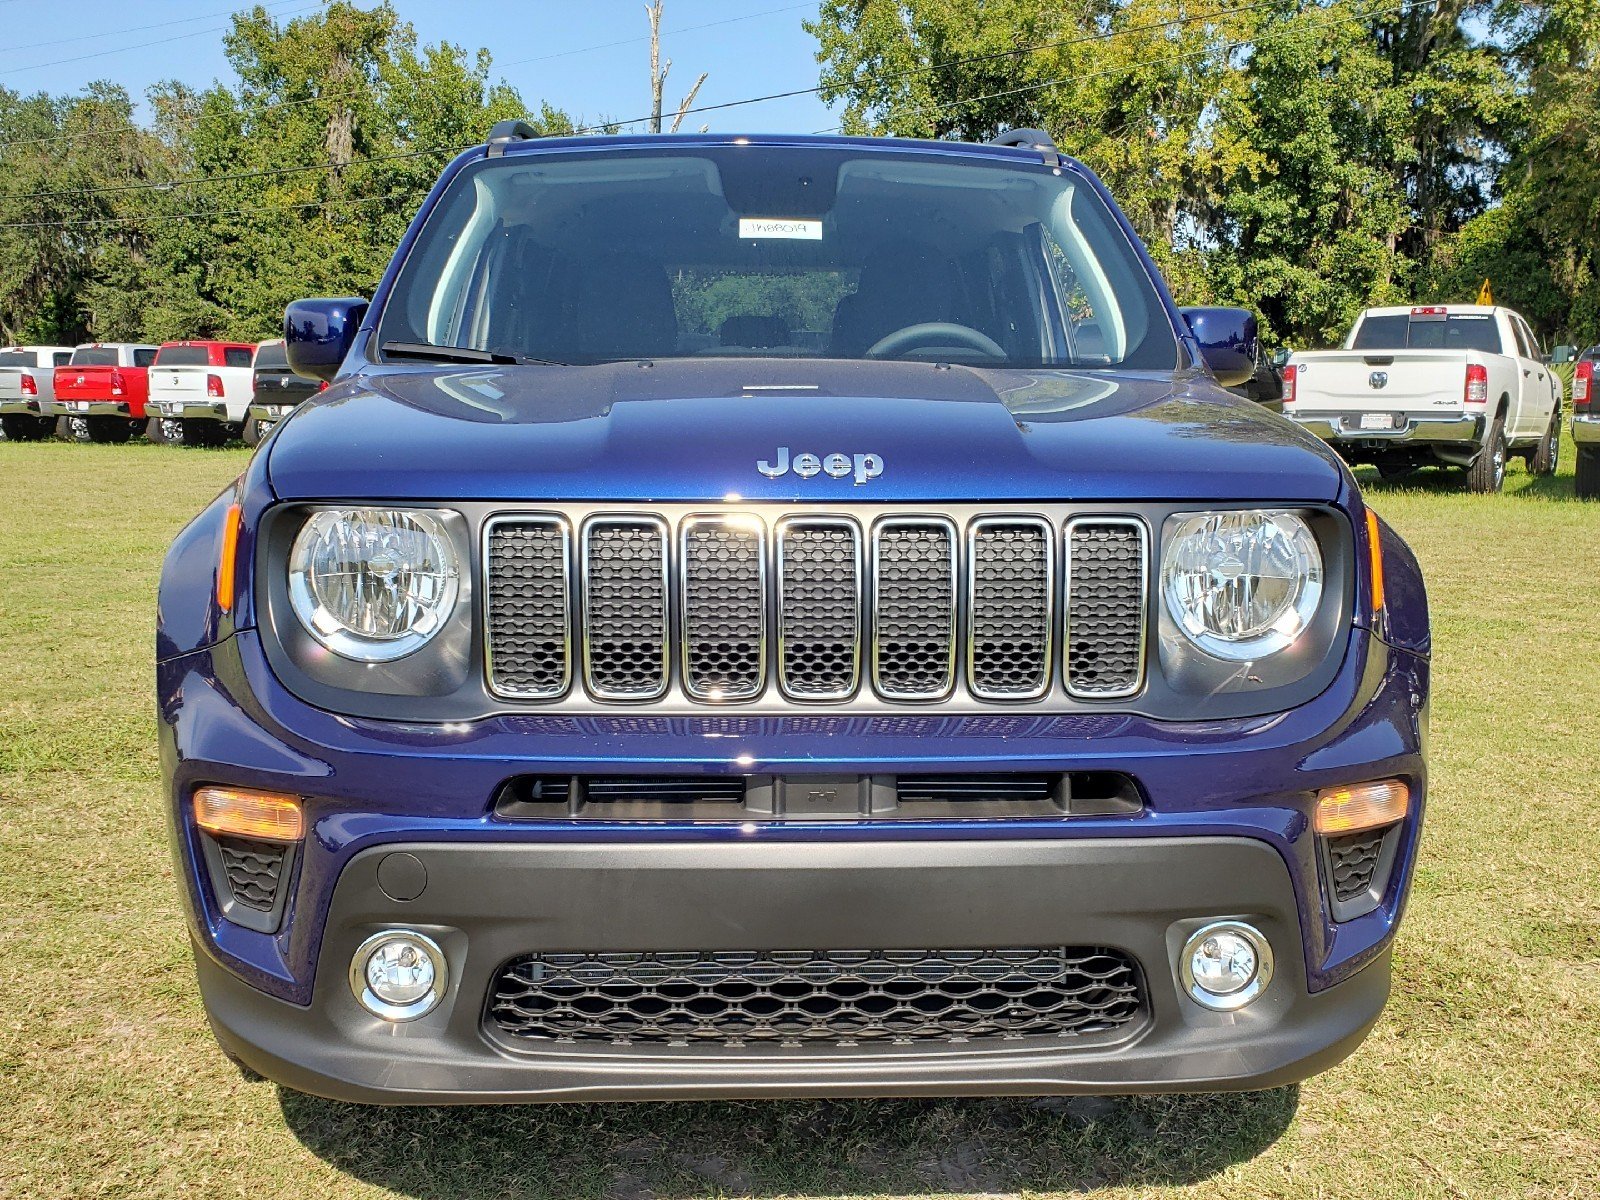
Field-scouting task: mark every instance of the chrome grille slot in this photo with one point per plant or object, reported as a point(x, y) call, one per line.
point(625, 607)
point(1106, 598)
point(819, 607)
point(913, 608)
point(723, 566)
point(1010, 594)
point(527, 626)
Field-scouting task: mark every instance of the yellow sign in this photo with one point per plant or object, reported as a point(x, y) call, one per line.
point(1485, 296)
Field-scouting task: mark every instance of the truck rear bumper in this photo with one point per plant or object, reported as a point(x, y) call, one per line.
point(486, 904)
point(1345, 428)
point(98, 408)
point(189, 410)
point(1586, 430)
point(268, 413)
point(29, 408)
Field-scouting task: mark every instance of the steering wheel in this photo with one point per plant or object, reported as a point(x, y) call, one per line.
point(934, 333)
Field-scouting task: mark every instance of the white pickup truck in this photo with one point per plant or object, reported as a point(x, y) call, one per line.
point(1460, 385)
point(27, 390)
point(200, 392)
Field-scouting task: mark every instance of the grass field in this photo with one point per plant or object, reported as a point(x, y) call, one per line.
point(1482, 1080)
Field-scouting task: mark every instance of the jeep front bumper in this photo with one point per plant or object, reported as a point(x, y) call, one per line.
point(488, 904)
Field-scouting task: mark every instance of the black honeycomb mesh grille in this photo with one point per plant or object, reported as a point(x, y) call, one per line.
point(254, 870)
point(528, 626)
point(1354, 858)
point(800, 997)
point(1011, 609)
point(724, 610)
point(625, 608)
point(914, 619)
point(1105, 608)
point(820, 608)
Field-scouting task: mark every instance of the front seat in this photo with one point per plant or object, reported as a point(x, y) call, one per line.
point(617, 306)
point(906, 284)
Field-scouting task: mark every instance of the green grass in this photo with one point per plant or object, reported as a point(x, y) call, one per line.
point(1483, 1078)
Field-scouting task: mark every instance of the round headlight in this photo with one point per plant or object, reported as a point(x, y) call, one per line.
point(373, 584)
point(1242, 585)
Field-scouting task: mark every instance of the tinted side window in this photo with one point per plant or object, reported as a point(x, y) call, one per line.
point(1524, 350)
point(235, 356)
point(63, 357)
point(143, 358)
point(1382, 333)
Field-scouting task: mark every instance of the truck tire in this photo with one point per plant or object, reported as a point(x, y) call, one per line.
point(1488, 474)
point(107, 430)
point(252, 432)
point(1586, 481)
point(165, 431)
point(20, 427)
point(73, 429)
point(203, 433)
point(1545, 459)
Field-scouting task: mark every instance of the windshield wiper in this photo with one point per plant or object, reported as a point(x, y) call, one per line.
point(462, 354)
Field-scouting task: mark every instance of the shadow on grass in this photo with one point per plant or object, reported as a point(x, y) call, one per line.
point(1447, 481)
point(814, 1147)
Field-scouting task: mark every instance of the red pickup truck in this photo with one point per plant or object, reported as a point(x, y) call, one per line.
point(101, 392)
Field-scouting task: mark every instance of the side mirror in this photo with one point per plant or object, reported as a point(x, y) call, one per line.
point(1562, 354)
point(317, 334)
point(1227, 338)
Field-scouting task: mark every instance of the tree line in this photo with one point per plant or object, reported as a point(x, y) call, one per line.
point(1302, 159)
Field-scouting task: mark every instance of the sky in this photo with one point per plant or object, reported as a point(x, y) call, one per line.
point(588, 57)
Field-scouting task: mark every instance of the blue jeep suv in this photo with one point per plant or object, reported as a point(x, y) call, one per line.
point(777, 616)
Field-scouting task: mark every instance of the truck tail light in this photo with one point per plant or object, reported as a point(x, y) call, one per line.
point(1290, 373)
point(30, 386)
point(1477, 389)
point(1582, 385)
point(214, 387)
point(116, 383)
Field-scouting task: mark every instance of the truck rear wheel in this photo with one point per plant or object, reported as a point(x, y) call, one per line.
point(73, 429)
point(202, 433)
point(1586, 483)
point(1488, 473)
point(1545, 459)
point(109, 429)
point(20, 427)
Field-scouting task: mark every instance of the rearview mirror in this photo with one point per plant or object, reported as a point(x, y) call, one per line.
point(1227, 338)
point(317, 334)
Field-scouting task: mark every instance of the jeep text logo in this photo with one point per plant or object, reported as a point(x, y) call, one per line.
point(862, 466)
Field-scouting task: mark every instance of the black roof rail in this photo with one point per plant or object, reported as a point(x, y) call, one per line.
point(1031, 139)
point(506, 132)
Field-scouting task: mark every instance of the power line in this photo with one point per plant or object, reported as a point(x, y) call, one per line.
point(1084, 39)
point(61, 62)
point(519, 62)
point(104, 33)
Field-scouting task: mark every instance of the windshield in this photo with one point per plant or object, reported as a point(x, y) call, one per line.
point(1434, 331)
point(751, 251)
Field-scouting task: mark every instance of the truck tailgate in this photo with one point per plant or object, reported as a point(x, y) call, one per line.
point(11, 383)
point(179, 383)
point(1414, 382)
point(84, 383)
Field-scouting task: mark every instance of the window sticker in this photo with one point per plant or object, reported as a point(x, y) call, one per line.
point(780, 227)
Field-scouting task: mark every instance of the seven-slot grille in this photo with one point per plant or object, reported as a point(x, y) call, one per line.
point(820, 607)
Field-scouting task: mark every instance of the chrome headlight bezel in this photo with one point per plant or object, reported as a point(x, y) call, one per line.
point(379, 529)
point(1210, 540)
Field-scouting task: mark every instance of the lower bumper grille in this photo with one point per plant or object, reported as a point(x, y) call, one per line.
point(809, 997)
point(1354, 858)
point(254, 870)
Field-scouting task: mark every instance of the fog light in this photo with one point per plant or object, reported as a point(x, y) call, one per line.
point(398, 975)
point(1225, 965)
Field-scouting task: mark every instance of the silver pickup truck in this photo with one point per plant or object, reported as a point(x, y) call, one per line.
point(1455, 385)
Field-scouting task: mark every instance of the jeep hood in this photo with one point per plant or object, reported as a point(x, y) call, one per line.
point(696, 430)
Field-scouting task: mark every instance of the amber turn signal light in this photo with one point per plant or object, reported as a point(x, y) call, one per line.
point(244, 812)
point(1361, 806)
point(228, 562)
point(1375, 550)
